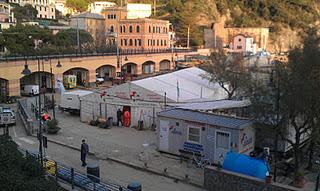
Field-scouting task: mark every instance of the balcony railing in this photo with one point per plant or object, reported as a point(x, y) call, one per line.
point(123, 52)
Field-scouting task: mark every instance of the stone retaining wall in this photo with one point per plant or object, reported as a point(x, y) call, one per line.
point(222, 180)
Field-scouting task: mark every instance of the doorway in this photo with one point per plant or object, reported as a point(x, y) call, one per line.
point(164, 136)
point(126, 116)
point(222, 145)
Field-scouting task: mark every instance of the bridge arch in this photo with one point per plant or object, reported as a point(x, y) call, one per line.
point(107, 72)
point(33, 79)
point(148, 67)
point(82, 74)
point(164, 65)
point(130, 68)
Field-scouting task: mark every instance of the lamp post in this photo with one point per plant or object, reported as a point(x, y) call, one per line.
point(27, 71)
point(119, 58)
point(277, 116)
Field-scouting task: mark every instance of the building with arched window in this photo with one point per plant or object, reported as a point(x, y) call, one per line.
point(142, 34)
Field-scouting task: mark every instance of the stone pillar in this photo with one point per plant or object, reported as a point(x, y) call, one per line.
point(156, 66)
point(91, 78)
point(14, 87)
point(138, 69)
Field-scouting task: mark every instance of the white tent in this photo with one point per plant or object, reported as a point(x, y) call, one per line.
point(183, 85)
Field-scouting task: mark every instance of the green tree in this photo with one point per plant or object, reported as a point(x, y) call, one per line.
point(78, 5)
point(230, 72)
point(25, 13)
point(19, 173)
point(299, 106)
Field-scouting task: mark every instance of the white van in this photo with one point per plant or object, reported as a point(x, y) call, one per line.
point(8, 110)
point(30, 90)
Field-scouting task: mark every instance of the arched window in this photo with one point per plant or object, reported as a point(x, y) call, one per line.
point(140, 42)
point(120, 29)
point(149, 29)
point(124, 29)
point(161, 43)
point(138, 29)
point(165, 42)
point(158, 42)
point(154, 29)
point(121, 42)
point(130, 29)
point(130, 42)
point(135, 42)
point(111, 29)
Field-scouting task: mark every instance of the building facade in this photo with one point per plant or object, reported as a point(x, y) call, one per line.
point(98, 6)
point(92, 23)
point(143, 34)
point(46, 8)
point(60, 5)
point(6, 16)
point(220, 36)
point(243, 44)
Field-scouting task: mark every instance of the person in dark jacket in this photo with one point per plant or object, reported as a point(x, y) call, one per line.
point(84, 152)
point(119, 117)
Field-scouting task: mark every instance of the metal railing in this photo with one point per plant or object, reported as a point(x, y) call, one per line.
point(72, 177)
point(25, 117)
point(123, 52)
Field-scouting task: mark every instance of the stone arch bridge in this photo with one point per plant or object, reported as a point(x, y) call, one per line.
point(87, 66)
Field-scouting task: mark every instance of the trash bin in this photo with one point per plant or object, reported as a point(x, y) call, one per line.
point(134, 186)
point(93, 172)
point(110, 121)
point(140, 125)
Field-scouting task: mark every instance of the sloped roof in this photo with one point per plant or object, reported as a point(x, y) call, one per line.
point(206, 118)
point(88, 15)
point(212, 105)
point(183, 85)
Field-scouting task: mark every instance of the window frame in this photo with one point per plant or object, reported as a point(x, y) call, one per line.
point(188, 134)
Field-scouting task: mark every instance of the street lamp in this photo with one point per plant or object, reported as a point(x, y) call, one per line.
point(27, 71)
point(272, 84)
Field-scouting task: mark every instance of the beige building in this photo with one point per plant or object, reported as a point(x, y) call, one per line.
point(220, 36)
point(6, 16)
point(98, 6)
point(60, 5)
point(92, 23)
point(46, 8)
point(143, 34)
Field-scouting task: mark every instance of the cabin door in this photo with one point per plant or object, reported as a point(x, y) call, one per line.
point(222, 146)
point(164, 136)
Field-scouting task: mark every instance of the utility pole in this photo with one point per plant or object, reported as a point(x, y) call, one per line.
point(78, 35)
point(188, 41)
point(154, 7)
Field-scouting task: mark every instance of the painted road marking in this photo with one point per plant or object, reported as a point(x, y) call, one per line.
point(27, 140)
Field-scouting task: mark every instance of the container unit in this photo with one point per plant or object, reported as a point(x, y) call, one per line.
point(204, 133)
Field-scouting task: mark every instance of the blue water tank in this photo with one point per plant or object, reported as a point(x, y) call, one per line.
point(247, 165)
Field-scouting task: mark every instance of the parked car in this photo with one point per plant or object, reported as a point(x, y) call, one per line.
point(8, 110)
point(99, 80)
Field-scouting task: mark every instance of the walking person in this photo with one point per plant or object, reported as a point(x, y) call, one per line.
point(84, 152)
point(119, 117)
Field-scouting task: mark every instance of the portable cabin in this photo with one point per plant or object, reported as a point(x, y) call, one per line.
point(204, 133)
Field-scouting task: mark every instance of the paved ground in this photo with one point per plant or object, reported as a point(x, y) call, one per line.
point(110, 171)
point(124, 144)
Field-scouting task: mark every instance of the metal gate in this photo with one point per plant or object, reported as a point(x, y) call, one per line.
point(222, 145)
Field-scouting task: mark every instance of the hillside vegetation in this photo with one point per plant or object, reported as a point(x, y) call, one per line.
point(197, 14)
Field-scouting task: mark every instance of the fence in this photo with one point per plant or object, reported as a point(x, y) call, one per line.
point(25, 117)
point(74, 178)
point(123, 52)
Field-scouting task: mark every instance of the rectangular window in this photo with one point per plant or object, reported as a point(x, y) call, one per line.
point(239, 47)
point(194, 134)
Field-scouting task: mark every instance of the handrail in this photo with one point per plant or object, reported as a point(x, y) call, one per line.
point(124, 52)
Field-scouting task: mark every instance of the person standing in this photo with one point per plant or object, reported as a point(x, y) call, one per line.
point(84, 152)
point(119, 117)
